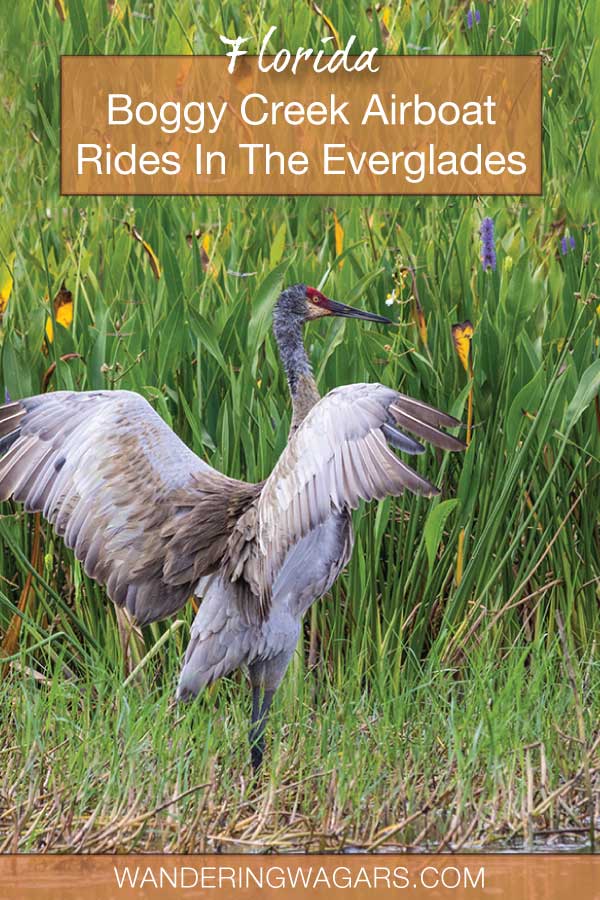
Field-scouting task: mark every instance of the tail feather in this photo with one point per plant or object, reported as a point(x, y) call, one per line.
point(220, 640)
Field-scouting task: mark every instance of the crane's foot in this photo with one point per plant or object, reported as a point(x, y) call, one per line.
point(260, 714)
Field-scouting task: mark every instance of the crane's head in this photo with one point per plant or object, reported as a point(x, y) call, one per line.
point(301, 303)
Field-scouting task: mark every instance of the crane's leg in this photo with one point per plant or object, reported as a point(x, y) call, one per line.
point(266, 674)
point(261, 703)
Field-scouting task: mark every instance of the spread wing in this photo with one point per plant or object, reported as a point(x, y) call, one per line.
point(143, 513)
point(340, 456)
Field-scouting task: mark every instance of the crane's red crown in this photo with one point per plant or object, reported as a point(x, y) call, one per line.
point(318, 304)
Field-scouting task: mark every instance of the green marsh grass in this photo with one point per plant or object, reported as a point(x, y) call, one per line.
point(418, 711)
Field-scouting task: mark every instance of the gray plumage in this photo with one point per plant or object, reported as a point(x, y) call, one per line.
point(156, 524)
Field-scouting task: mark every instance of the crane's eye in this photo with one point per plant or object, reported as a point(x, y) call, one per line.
point(315, 296)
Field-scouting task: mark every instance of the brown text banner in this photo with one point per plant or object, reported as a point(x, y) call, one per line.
point(186, 125)
point(518, 877)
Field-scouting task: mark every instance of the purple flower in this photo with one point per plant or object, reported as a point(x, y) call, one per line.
point(567, 244)
point(6, 395)
point(488, 246)
point(470, 19)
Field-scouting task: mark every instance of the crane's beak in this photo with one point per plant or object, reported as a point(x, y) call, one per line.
point(349, 312)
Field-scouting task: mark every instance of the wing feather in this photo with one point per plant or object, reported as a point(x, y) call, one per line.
point(142, 512)
point(426, 431)
point(339, 456)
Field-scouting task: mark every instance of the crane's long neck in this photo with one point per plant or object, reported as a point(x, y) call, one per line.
point(301, 381)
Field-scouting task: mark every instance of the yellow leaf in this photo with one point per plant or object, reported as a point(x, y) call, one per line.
point(63, 312)
point(384, 23)
point(205, 240)
point(462, 334)
point(339, 238)
point(61, 9)
point(6, 281)
point(205, 248)
point(63, 307)
point(116, 10)
point(152, 257)
point(421, 321)
point(188, 48)
point(329, 24)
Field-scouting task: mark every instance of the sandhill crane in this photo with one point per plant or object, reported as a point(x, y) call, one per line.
point(156, 524)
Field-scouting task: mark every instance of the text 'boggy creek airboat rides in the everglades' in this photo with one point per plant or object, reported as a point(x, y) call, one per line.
point(156, 524)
